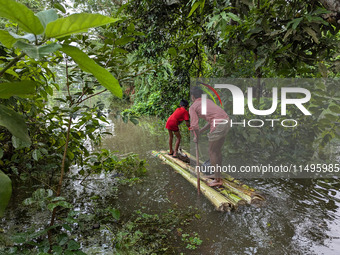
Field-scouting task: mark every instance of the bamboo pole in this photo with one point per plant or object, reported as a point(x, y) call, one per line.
point(197, 164)
point(220, 202)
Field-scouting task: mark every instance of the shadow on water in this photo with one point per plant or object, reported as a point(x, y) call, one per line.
point(301, 216)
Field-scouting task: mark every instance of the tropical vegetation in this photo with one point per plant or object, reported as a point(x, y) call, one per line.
point(144, 53)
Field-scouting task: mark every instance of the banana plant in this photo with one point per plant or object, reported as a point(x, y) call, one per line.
point(42, 34)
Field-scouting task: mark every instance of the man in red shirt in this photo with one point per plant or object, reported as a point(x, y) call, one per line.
point(217, 133)
point(172, 123)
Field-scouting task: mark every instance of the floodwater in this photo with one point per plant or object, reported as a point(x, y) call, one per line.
point(300, 216)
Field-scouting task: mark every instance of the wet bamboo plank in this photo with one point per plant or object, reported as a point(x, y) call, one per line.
point(220, 202)
point(249, 194)
point(233, 190)
point(237, 200)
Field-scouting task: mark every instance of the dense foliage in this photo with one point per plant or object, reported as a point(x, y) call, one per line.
point(145, 52)
point(240, 39)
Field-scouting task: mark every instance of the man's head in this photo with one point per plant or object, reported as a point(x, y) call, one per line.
point(184, 103)
point(196, 92)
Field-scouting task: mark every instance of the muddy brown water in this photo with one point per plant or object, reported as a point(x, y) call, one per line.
point(301, 216)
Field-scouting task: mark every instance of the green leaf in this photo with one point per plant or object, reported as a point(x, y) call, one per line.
point(323, 69)
point(326, 139)
point(172, 51)
point(295, 23)
point(131, 27)
point(36, 154)
point(73, 245)
point(28, 201)
point(134, 121)
point(125, 118)
point(87, 64)
point(193, 9)
point(331, 117)
point(57, 249)
point(333, 108)
point(118, 51)
point(14, 122)
point(70, 155)
point(19, 238)
point(58, 199)
point(288, 33)
point(21, 15)
point(29, 37)
point(39, 194)
point(76, 23)
point(67, 227)
point(320, 11)
point(6, 39)
point(284, 49)
point(47, 16)
point(63, 204)
point(1, 153)
point(319, 20)
point(124, 40)
point(115, 213)
point(259, 63)
point(49, 192)
point(21, 88)
point(312, 33)
point(49, 90)
point(37, 52)
point(233, 17)
point(60, 7)
point(62, 239)
point(5, 192)
point(255, 30)
point(18, 143)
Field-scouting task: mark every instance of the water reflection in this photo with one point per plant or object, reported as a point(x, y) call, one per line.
point(301, 216)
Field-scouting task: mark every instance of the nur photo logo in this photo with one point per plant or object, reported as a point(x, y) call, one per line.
point(289, 96)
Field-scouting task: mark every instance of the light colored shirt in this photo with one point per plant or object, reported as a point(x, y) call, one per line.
point(213, 112)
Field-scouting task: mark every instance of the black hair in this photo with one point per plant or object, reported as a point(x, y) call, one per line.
point(196, 92)
point(184, 103)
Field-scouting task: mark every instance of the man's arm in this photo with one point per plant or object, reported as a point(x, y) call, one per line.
point(193, 118)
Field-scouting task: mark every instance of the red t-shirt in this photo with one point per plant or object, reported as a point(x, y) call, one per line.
point(176, 118)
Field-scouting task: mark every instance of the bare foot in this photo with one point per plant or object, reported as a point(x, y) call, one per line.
point(215, 183)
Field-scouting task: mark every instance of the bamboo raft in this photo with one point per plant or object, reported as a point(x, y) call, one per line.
point(230, 196)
